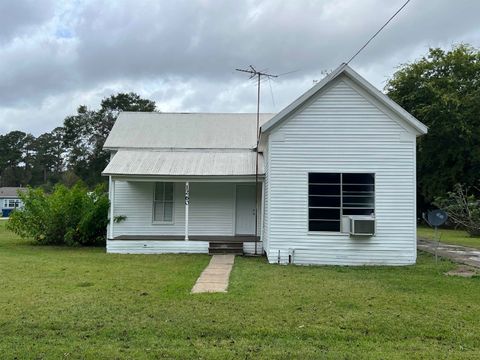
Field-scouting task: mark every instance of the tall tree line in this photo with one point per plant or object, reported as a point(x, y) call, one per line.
point(442, 89)
point(67, 153)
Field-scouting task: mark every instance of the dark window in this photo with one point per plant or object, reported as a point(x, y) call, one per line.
point(331, 195)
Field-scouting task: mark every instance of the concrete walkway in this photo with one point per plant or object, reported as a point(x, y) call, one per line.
point(456, 253)
point(216, 275)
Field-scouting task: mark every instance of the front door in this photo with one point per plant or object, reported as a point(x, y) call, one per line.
point(245, 210)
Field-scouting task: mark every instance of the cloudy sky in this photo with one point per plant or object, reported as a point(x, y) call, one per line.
point(56, 55)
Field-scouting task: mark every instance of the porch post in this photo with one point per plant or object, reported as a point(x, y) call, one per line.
point(187, 201)
point(112, 204)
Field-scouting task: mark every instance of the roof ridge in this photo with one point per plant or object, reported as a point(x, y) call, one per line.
point(194, 113)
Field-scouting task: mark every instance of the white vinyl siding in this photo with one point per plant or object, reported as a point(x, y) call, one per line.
point(341, 130)
point(211, 209)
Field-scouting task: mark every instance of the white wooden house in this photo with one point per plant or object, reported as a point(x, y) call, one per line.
point(334, 176)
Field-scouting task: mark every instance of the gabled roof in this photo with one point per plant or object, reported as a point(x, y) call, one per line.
point(183, 163)
point(155, 130)
point(344, 69)
point(11, 192)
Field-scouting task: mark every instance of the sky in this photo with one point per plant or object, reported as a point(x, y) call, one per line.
point(57, 55)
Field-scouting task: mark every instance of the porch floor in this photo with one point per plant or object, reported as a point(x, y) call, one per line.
point(209, 238)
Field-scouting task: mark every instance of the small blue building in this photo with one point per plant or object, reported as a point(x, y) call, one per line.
point(10, 200)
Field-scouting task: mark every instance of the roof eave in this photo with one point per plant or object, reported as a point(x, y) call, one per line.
point(153, 176)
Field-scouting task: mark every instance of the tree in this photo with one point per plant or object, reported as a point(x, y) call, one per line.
point(49, 158)
point(16, 156)
point(68, 216)
point(68, 153)
point(78, 139)
point(442, 90)
point(462, 208)
point(127, 102)
point(86, 132)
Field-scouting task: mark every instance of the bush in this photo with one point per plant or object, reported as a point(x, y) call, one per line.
point(462, 208)
point(69, 216)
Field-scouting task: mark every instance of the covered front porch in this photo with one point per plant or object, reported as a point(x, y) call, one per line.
point(185, 201)
point(185, 215)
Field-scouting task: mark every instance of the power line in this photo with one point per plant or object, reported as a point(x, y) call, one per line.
point(379, 30)
point(289, 72)
point(271, 93)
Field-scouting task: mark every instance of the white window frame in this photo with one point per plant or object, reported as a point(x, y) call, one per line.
point(341, 207)
point(11, 203)
point(161, 222)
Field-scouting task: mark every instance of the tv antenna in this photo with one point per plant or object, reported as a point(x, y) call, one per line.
point(254, 73)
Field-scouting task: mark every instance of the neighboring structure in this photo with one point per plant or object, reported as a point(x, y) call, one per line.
point(10, 200)
point(336, 175)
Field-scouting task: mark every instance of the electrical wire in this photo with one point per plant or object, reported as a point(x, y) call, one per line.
point(271, 93)
point(379, 30)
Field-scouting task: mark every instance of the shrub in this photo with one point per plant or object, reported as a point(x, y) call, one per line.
point(462, 208)
point(68, 216)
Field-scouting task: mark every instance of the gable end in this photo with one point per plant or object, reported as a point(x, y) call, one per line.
point(358, 83)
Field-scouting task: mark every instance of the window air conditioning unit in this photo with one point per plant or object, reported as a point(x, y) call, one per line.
point(362, 225)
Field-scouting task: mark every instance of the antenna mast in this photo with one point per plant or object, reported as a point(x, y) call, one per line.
point(257, 74)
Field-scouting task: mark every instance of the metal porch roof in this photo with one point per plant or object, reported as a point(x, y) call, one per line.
point(183, 163)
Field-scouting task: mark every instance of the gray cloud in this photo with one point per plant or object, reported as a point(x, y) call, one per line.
point(19, 16)
point(183, 54)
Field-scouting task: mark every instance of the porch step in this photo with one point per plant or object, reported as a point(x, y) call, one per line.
point(225, 248)
point(226, 244)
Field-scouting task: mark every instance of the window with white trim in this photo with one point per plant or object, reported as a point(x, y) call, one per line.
point(163, 202)
point(331, 195)
point(12, 203)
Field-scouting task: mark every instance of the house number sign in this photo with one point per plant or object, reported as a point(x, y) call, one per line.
point(187, 194)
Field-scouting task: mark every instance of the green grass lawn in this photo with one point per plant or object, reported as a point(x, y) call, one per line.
point(447, 236)
point(82, 303)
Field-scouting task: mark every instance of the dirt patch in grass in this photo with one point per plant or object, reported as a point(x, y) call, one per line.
point(463, 271)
